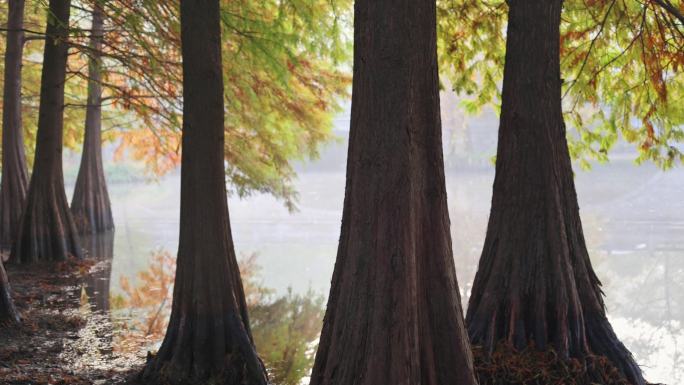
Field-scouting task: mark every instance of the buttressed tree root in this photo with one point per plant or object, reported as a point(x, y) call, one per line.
point(530, 366)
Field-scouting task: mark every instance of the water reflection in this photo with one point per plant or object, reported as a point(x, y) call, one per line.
point(100, 248)
point(143, 305)
point(91, 351)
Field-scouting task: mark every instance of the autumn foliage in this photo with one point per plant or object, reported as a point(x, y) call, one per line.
point(622, 67)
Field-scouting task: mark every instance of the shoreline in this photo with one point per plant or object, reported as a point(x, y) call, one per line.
point(61, 340)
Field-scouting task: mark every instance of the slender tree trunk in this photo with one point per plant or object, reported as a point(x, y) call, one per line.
point(8, 313)
point(14, 171)
point(394, 312)
point(90, 205)
point(47, 231)
point(535, 283)
point(208, 337)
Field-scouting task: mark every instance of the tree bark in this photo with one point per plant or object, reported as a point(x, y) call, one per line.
point(8, 313)
point(535, 283)
point(208, 337)
point(394, 312)
point(47, 231)
point(14, 172)
point(90, 204)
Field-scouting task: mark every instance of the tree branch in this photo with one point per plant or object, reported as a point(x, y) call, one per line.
point(671, 9)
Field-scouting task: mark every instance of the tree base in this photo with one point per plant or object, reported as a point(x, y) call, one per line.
point(204, 349)
point(47, 231)
point(90, 207)
point(508, 366)
point(168, 373)
point(11, 205)
point(8, 313)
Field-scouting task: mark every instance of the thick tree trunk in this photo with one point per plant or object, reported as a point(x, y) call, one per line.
point(99, 247)
point(8, 313)
point(90, 205)
point(47, 231)
point(208, 337)
point(14, 171)
point(394, 313)
point(535, 283)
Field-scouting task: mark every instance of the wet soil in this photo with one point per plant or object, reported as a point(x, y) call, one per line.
point(62, 340)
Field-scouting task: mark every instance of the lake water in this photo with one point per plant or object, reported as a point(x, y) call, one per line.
point(633, 218)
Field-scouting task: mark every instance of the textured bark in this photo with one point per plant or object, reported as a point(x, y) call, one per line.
point(90, 204)
point(14, 172)
point(208, 337)
point(47, 231)
point(8, 313)
point(394, 313)
point(99, 247)
point(535, 283)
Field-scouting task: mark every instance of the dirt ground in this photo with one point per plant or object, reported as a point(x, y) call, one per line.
point(61, 340)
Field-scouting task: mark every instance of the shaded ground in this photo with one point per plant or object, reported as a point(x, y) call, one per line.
point(61, 340)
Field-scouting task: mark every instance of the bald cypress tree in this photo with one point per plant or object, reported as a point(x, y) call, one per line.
point(90, 204)
point(394, 313)
point(14, 172)
point(208, 339)
point(47, 231)
point(535, 283)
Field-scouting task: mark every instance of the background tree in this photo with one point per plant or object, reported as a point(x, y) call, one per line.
point(535, 284)
point(90, 204)
point(34, 25)
point(47, 230)
point(208, 338)
point(394, 311)
point(14, 172)
point(642, 41)
point(286, 59)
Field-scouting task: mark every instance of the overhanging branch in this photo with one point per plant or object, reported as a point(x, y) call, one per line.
point(671, 9)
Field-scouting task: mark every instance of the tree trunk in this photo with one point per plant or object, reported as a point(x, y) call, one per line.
point(535, 283)
point(47, 231)
point(208, 337)
point(394, 312)
point(14, 171)
point(90, 204)
point(8, 313)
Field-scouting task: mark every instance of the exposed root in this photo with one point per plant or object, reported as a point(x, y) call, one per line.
point(508, 366)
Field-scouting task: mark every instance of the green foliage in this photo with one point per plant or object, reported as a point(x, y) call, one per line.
point(284, 76)
point(285, 329)
point(285, 72)
point(285, 333)
point(622, 61)
point(471, 48)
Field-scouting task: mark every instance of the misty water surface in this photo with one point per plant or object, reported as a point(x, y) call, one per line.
point(633, 219)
